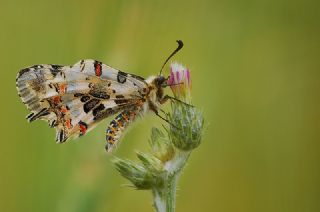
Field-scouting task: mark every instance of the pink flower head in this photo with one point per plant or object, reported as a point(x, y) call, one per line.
point(179, 81)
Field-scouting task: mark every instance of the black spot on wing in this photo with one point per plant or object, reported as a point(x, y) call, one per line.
point(121, 101)
point(55, 69)
point(87, 107)
point(122, 77)
point(61, 135)
point(99, 94)
point(53, 123)
point(78, 94)
point(119, 96)
point(98, 109)
point(31, 117)
point(56, 66)
point(84, 98)
point(82, 65)
point(21, 72)
point(104, 114)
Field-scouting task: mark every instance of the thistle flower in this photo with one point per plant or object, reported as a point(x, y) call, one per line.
point(179, 81)
point(187, 122)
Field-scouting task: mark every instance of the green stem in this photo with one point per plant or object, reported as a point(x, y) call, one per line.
point(171, 192)
point(165, 196)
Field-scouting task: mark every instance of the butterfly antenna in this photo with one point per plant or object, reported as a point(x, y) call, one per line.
point(180, 45)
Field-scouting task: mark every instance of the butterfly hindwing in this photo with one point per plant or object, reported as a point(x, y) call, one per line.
point(74, 98)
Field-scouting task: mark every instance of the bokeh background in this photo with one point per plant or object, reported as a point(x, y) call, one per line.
point(255, 70)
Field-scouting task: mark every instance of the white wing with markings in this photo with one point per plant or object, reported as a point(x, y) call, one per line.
point(74, 98)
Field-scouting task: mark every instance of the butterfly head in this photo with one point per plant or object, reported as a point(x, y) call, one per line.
point(160, 81)
point(157, 82)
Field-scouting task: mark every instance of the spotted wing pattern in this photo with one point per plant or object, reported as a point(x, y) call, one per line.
point(75, 98)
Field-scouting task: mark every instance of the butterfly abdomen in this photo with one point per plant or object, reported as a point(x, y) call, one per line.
point(117, 126)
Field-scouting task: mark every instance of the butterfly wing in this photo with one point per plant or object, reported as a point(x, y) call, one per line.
point(73, 99)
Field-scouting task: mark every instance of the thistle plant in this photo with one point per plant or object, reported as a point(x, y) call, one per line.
point(159, 170)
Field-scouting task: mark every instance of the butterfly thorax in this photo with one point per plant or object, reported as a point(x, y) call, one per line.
point(155, 94)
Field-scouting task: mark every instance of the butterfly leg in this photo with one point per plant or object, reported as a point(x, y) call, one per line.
point(163, 111)
point(117, 127)
point(167, 97)
point(164, 119)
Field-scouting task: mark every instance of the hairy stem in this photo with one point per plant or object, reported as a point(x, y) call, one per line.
point(165, 196)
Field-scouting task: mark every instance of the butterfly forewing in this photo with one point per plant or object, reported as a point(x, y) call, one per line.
point(74, 98)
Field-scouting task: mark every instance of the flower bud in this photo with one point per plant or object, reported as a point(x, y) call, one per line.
point(138, 174)
point(179, 81)
point(186, 131)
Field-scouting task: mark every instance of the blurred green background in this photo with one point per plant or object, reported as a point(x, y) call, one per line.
point(256, 75)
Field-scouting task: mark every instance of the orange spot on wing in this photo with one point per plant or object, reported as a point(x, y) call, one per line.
point(68, 123)
point(62, 88)
point(98, 69)
point(63, 109)
point(83, 129)
point(56, 100)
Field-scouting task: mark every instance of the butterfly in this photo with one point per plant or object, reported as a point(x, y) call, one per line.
point(74, 99)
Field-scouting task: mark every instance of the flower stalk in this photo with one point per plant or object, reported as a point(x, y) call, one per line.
point(159, 170)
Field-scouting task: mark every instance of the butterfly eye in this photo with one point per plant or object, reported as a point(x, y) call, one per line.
point(160, 81)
